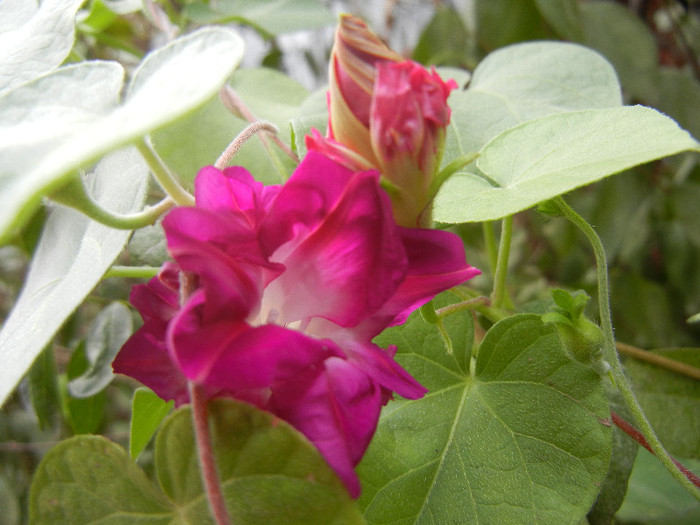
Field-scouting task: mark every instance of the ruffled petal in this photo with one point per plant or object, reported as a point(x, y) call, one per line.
point(337, 409)
point(436, 262)
point(349, 266)
point(226, 257)
point(304, 201)
point(145, 356)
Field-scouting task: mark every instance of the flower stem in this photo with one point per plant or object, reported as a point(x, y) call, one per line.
point(639, 438)
point(235, 105)
point(610, 351)
point(163, 175)
point(132, 272)
point(659, 360)
point(498, 295)
point(210, 476)
point(74, 195)
point(490, 241)
point(250, 130)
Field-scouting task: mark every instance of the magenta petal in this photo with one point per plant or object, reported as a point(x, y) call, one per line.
point(266, 356)
point(436, 263)
point(145, 357)
point(337, 409)
point(225, 255)
point(196, 345)
point(233, 191)
point(380, 365)
point(349, 266)
point(305, 200)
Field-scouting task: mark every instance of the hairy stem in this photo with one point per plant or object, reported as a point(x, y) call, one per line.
point(659, 360)
point(235, 105)
point(75, 195)
point(242, 138)
point(610, 351)
point(639, 438)
point(163, 175)
point(210, 476)
point(498, 295)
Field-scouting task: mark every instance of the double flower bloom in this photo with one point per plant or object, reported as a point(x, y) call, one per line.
point(276, 292)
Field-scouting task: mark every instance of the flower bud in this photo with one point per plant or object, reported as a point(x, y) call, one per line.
point(391, 112)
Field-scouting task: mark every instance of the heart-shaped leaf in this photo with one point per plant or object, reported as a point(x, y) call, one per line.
point(72, 256)
point(524, 438)
point(523, 82)
point(270, 474)
point(552, 155)
point(34, 39)
point(43, 142)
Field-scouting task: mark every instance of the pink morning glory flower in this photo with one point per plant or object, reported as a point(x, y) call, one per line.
point(275, 294)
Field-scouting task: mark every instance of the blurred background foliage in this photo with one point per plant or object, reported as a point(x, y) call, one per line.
point(649, 217)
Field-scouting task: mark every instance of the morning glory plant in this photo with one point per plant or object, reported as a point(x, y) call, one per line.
point(305, 339)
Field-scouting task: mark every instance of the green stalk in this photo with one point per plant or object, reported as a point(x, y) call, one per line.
point(498, 297)
point(163, 175)
point(132, 272)
point(74, 195)
point(490, 241)
point(610, 351)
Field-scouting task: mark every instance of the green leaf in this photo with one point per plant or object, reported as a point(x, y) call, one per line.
point(523, 440)
point(270, 96)
point(34, 39)
point(70, 118)
point(269, 472)
point(43, 388)
point(443, 40)
point(109, 331)
point(87, 479)
point(147, 413)
point(655, 498)
point(271, 17)
point(9, 503)
point(503, 22)
point(623, 37)
point(73, 255)
point(564, 16)
point(84, 414)
point(148, 246)
point(550, 156)
point(670, 400)
point(624, 450)
point(524, 82)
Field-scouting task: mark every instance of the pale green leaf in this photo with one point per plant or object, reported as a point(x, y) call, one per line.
point(40, 149)
point(550, 156)
point(523, 82)
point(73, 254)
point(34, 39)
point(89, 479)
point(147, 413)
point(109, 331)
point(273, 17)
point(525, 439)
point(270, 474)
